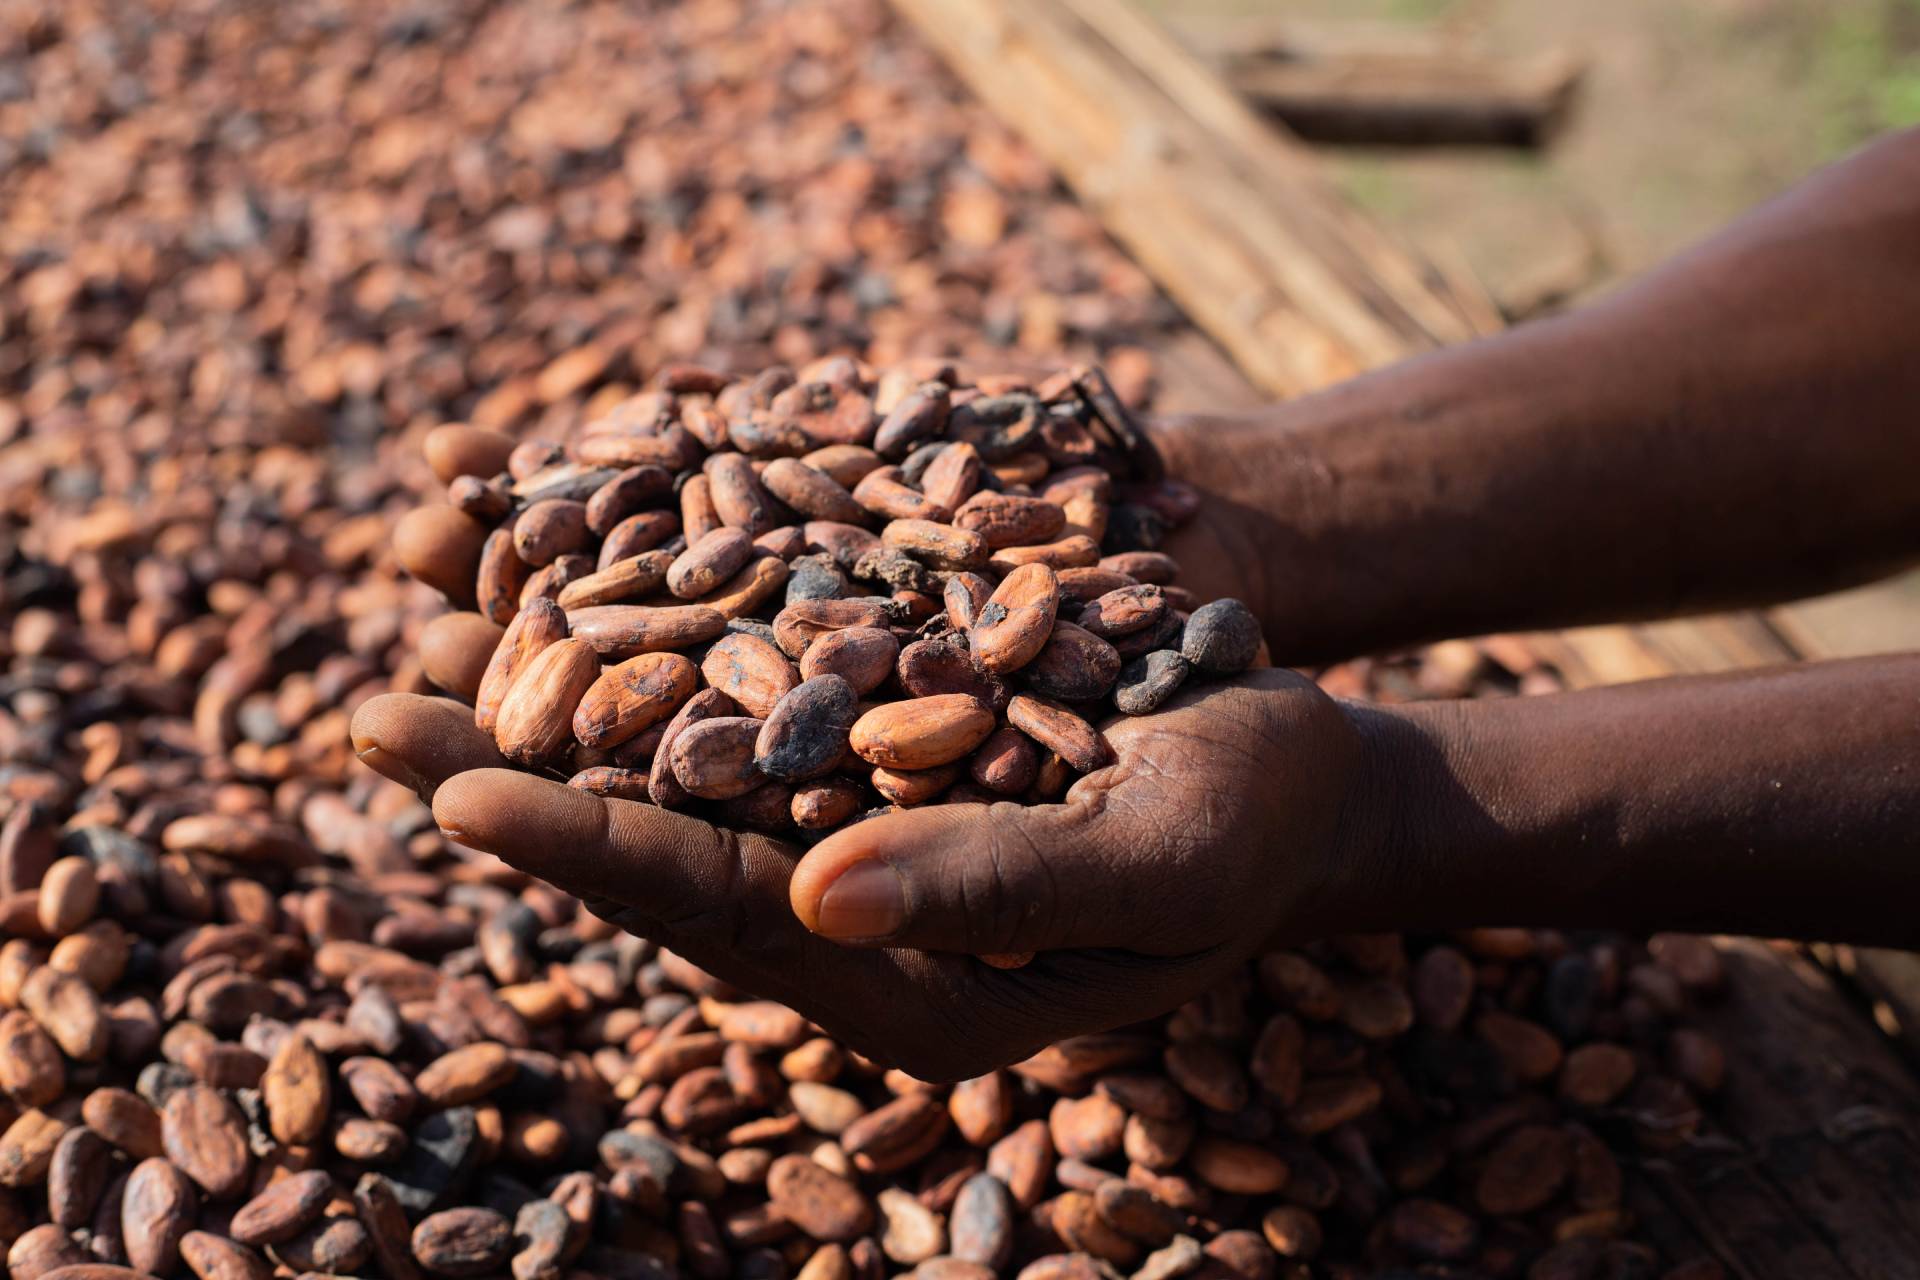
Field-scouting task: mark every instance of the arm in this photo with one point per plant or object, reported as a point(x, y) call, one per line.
point(1243, 815)
point(1784, 803)
point(1737, 427)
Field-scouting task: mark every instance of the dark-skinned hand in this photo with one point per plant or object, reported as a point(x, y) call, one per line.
point(1224, 821)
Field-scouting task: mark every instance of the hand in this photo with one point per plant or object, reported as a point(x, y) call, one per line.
point(1229, 818)
point(1252, 537)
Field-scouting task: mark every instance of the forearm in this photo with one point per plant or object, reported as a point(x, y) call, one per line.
point(1735, 428)
point(1780, 803)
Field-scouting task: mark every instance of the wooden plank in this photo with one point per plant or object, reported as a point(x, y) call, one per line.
point(1232, 217)
point(1814, 1174)
point(1413, 99)
point(1889, 981)
point(1822, 1106)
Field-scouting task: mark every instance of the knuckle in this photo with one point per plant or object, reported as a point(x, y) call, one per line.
point(1009, 895)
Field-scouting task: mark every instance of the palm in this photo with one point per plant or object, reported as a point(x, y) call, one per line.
point(1187, 785)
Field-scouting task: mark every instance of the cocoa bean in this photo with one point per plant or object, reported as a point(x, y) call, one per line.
point(535, 723)
point(1013, 626)
point(714, 759)
point(157, 1209)
point(630, 697)
point(1060, 731)
point(923, 733)
point(806, 733)
point(463, 1242)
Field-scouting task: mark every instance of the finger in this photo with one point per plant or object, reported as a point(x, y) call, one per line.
point(440, 546)
point(456, 450)
point(718, 898)
point(666, 863)
point(972, 878)
point(455, 649)
point(420, 742)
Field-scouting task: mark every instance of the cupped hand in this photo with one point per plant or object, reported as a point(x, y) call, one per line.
point(1231, 816)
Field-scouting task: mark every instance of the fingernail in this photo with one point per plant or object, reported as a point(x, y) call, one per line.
point(867, 901)
point(384, 762)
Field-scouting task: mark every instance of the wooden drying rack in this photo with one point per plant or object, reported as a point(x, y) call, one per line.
point(1812, 1167)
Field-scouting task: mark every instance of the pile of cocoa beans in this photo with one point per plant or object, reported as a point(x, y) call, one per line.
point(257, 1017)
point(817, 595)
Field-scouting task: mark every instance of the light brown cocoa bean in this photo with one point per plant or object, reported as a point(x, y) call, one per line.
point(283, 1210)
point(32, 1072)
point(205, 1138)
point(125, 1120)
point(881, 493)
point(909, 787)
point(823, 805)
point(862, 656)
point(298, 1091)
point(1013, 626)
point(456, 649)
point(1009, 520)
point(1060, 731)
point(630, 697)
point(463, 1242)
point(27, 1146)
point(627, 494)
point(499, 577)
point(1076, 551)
point(813, 493)
point(534, 629)
point(826, 1207)
point(549, 581)
point(456, 449)
point(923, 733)
point(67, 1010)
point(1124, 611)
point(954, 476)
point(662, 785)
point(845, 464)
point(738, 497)
point(42, 1250)
point(637, 534)
point(626, 630)
point(442, 548)
point(714, 758)
point(746, 591)
point(69, 893)
point(215, 1257)
point(801, 623)
point(535, 723)
point(895, 1135)
point(629, 579)
point(706, 564)
point(940, 545)
point(157, 1208)
point(751, 671)
point(466, 1074)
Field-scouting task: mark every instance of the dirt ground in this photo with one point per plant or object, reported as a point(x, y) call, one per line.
point(1690, 112)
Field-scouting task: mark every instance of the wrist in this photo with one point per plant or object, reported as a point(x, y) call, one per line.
point(1392, 819)
point(1264, 529)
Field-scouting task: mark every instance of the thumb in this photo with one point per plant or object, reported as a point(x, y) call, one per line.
point(971, 878)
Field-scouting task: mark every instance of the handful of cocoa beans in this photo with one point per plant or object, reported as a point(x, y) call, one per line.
point(805, 597)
